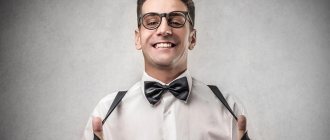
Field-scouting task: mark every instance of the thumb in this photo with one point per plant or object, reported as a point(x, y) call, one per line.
point(97, 127)
point(241, 123)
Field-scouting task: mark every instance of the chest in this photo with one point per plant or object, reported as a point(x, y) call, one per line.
point(171, 119)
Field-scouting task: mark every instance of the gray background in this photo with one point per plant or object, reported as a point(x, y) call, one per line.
point(59, 58)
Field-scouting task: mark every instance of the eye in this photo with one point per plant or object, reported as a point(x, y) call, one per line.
point(176, 21)
point(152, 23)
point(151, 20)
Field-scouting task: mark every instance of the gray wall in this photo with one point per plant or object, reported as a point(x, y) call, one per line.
point(59, 58)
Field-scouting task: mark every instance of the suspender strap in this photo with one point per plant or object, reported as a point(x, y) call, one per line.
point(245, 136)
point(217, 92)
point(214, 89)
point(114, 104)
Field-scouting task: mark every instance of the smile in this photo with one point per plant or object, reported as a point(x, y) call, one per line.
point(164, 45)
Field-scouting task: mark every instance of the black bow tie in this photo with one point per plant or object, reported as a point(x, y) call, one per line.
point(154, 90)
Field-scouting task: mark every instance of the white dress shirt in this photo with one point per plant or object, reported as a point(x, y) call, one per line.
point(201, 117)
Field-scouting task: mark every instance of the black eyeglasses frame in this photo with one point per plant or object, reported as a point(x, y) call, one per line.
point(166, 15)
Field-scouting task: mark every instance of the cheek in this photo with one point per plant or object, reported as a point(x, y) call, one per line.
point(184, 36)
point(185, 40)
point(145, 38)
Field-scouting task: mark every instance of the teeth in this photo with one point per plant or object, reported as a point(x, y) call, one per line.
point(163, 45)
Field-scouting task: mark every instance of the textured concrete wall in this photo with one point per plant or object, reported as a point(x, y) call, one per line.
point(58, 58)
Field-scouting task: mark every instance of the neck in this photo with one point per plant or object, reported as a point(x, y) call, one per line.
point(165, 75)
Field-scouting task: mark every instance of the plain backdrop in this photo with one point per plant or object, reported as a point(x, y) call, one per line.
point(59, 58)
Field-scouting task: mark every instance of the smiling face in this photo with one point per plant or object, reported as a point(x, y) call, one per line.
point(165, 48)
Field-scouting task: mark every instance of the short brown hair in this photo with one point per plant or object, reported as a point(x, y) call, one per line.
point(189, 3)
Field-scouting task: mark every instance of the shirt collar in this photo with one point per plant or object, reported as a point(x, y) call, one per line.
point(186, 73)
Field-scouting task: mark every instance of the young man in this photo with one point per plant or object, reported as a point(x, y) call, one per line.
point(167, 104)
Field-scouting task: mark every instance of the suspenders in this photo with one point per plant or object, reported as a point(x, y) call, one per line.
point(217, 93)
point(120, 95)
point(214, 89)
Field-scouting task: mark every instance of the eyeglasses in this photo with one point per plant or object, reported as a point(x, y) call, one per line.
point(175, 19)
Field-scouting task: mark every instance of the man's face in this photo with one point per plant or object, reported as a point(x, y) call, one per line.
point(165, 47)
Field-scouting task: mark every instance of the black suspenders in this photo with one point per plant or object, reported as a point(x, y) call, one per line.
point(120, 95)
point(218, 93)
point(214, 89)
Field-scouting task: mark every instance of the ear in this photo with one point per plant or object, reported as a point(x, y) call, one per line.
point(192, 39)
point(137, 39)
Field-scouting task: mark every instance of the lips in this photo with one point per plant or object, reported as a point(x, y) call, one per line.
point(164, 45)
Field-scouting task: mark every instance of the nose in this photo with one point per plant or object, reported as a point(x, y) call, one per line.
point(164, 29)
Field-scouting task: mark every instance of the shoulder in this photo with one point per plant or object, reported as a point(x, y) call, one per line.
point(232, 100)
point(104, 104)
point(235, 103)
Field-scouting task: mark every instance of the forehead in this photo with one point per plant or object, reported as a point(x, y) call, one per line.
point(163, 6)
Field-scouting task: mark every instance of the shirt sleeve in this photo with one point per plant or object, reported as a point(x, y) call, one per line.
point(99, 111)
point(238, 109)
point(236, 105)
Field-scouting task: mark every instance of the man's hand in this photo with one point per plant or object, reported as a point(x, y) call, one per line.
point(97, 127)
point(241, 123)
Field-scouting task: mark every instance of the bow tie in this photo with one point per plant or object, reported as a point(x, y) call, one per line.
point(154, 90)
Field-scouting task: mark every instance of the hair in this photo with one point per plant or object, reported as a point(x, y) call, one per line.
point(189, 3)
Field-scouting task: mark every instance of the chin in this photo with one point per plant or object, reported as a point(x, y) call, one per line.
point(164, 64)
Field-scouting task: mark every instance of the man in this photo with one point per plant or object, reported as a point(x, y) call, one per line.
point(165, 34)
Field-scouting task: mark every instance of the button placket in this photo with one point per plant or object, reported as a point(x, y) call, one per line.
point(169, 129)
